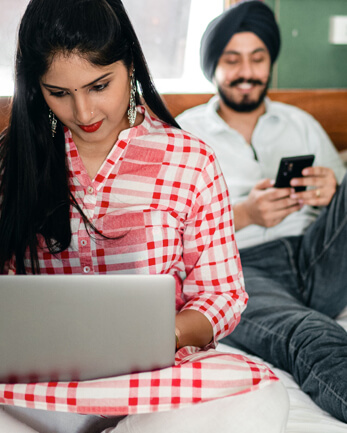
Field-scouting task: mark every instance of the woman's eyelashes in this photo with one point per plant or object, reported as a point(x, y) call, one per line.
point(94, 88)
point(58, 94)
point(100, 87)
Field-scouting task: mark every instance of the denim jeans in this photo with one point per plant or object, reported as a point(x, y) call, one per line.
point(297, 286)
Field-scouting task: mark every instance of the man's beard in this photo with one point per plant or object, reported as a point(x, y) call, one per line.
point(245, 106)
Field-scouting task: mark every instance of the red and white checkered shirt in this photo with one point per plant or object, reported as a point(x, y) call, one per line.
point(162, 191)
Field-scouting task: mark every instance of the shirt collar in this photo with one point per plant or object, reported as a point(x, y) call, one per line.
point(218, 124)
point(215, 122)
point(271, 110)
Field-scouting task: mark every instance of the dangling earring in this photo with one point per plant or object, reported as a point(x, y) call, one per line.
point(132, 103)
point(53, 122)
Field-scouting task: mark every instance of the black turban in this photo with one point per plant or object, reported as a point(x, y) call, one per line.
point(249, 16)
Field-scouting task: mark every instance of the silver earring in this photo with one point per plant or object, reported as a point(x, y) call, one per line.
point(53, 122)
point(132, 103)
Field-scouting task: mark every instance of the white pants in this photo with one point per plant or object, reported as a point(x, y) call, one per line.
point(262, 411)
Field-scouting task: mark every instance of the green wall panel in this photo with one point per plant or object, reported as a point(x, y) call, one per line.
point(271, 3)
point(307, 59)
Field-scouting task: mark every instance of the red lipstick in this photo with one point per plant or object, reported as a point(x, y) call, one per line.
point(91, 128)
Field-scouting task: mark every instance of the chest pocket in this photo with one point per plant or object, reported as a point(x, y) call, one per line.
point(151, 238)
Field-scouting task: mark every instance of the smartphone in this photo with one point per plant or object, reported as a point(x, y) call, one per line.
point(291, 167)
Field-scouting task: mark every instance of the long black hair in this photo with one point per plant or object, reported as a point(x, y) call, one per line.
point(34, 190)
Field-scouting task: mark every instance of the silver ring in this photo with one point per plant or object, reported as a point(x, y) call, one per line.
point(317, 192)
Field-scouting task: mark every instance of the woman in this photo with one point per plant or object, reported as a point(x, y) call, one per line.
point(91, 183)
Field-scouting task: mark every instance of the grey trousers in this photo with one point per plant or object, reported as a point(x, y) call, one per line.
point(297, 286)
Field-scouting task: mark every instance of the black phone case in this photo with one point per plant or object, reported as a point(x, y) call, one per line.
point(291, 167)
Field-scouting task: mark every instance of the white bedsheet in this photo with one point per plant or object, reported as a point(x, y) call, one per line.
point(304, 415)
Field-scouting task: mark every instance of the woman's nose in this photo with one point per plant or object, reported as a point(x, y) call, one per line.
point(83, 110)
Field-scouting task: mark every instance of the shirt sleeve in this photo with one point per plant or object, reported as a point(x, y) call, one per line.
point(325, 151)
point(214, 284)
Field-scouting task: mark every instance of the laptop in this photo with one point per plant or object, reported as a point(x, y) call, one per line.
point(77, 327)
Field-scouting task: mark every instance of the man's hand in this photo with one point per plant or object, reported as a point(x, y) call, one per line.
point(265, 206)
point(324, 185)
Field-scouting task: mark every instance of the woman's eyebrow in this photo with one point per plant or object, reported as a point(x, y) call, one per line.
point(51, 86)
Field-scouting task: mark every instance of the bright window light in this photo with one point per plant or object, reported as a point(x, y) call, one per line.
point(169, 33)
point(11, 12)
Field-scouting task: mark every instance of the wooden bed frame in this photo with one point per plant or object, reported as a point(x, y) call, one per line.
point(329, 107)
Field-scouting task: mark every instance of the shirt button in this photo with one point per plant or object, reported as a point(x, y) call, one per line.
point(83, 243)
point(86, 269)
point(90, 190)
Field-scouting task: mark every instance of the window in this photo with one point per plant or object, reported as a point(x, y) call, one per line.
point(169, 32)
point(170, 37)
point(11, 13)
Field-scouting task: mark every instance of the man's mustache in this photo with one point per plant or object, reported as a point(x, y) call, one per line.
point(243, 80)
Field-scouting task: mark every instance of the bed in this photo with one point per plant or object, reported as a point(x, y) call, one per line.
point(304, 415)
point(329, 107)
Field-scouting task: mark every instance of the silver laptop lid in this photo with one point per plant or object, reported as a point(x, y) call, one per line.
point(76, 327)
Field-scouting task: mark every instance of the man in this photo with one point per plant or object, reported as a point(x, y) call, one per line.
point(292, 244)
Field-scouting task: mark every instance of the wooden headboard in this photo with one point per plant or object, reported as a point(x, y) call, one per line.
point(4, 112)
point(329, 107)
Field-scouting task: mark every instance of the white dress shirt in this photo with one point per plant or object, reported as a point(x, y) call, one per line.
point(283, 130)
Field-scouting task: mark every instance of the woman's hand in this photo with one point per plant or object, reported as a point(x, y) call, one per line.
point(193, 329)
point(324, 184)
